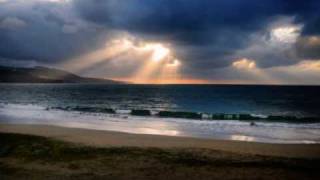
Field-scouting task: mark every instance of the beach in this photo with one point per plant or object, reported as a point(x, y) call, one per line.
point(159, 90)
point(73, 153)
point(118, 139)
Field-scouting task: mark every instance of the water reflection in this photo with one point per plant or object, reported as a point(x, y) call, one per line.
point(242, 138)
point(158, 131)
point(129, 125)
point(158, 128)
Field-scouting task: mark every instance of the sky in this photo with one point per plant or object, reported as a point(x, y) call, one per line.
point(167, 41)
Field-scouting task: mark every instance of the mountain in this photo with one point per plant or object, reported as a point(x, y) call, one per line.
point(45, 75)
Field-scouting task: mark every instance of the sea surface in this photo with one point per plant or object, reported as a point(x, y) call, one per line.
point(81, 105)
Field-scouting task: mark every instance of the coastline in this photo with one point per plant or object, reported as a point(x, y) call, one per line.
point(98, 138)
point(51, 152)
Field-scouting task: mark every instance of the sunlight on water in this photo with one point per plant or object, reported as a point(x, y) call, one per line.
point(242, 138)
point(158, 131)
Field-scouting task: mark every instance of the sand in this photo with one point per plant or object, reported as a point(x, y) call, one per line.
point(117, 139)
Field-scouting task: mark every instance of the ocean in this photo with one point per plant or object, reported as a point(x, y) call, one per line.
point(281, 114)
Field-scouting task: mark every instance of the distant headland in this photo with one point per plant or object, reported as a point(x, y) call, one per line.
point(41, 74)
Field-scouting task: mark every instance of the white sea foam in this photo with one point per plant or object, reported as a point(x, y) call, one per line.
point(235, 130)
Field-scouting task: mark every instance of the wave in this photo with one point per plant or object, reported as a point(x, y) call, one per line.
point(171, 114)
point(143, 122)
point(191, 115)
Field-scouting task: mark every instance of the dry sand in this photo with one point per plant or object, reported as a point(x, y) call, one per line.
point(117, 139)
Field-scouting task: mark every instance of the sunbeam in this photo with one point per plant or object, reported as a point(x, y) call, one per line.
point(157, 62)
point(111, 50)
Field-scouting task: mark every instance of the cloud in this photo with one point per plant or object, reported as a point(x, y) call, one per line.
point(12, 23)
point(206, 36)
point(308, 47)
point(45, 31)
point(305, 72)
point(209, 34)
point(274, 45)
point(244, 64)
point(245, 71)
point(68, 28)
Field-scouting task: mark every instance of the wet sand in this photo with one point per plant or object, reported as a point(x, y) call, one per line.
point(116, 139)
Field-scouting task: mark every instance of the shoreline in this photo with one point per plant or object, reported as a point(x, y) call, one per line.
point(99, 138)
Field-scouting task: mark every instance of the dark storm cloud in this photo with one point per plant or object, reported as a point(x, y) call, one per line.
point(183, 21)
point(308, 47)
point(205, 34)
point(306, 12)
point(193, 20)
point(204, 31)
point(43, 31)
